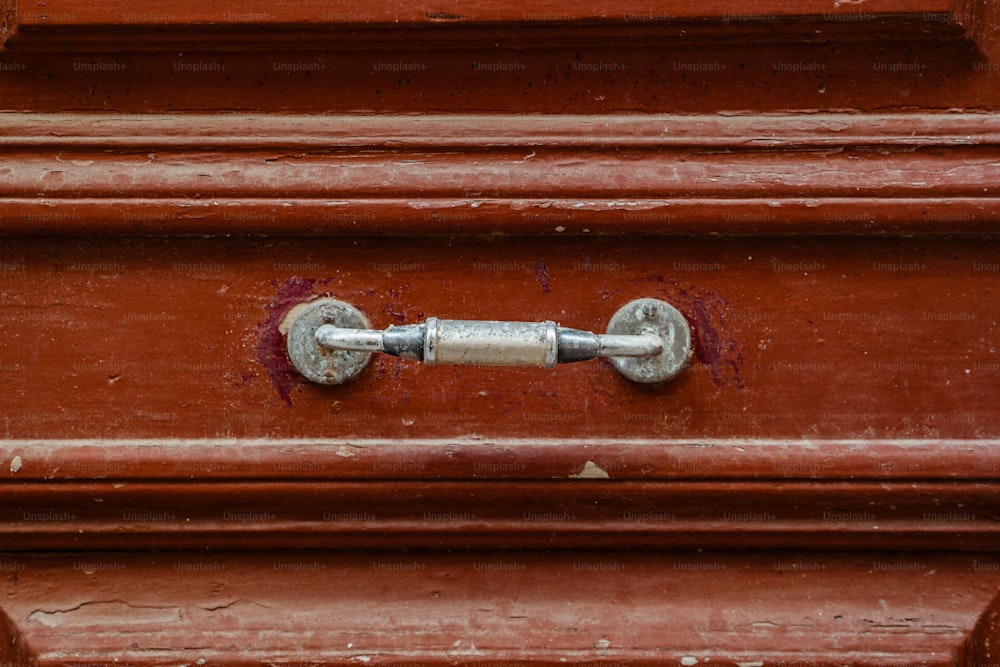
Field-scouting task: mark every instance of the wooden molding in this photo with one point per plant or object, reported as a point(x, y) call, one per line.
point(819, 487)
point(489, 494)
point(374, 175)
point(430, 24)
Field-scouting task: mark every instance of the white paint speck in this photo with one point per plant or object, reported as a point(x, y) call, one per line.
point(560, 228)
point(689, 660)
point(15, 465)
point(602, 643)
point(591, 471)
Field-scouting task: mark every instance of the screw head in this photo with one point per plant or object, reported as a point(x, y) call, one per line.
point(316, 363)
point(660, 318)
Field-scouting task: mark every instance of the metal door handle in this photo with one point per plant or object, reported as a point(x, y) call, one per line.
point(330, 342)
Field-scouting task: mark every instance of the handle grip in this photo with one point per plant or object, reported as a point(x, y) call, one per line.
point(330, 342)
point(489, 343)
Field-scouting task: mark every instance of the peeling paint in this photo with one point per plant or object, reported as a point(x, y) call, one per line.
point(347, 451)
point(103, 612)
point(591, 471)
point(15, 465)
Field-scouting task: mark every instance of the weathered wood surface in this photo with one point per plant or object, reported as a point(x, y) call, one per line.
point(794, 178)
point(490, 608)
point(536, 174)
point(794, 338)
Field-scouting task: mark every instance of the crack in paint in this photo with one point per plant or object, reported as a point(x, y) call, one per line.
point(100, 611)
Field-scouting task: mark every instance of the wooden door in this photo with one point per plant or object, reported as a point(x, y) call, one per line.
point(811, 184)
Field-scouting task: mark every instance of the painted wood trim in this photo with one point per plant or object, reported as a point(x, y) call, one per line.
point(219, 27)
point(504, 459)
point(816, 174)
point(291, 494)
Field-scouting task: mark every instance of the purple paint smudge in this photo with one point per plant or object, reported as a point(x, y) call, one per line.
point(542, 275)
point(271, 351)
point(721, 355)
point(705, 311)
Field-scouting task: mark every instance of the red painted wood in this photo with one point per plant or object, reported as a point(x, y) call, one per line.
point(155, 338)
point(159, 12)
point(222, 27)
point(510, 174)
point(812, 183)
point(569, 79)
point(554, 608)
point(554, 513)
point(934, 55)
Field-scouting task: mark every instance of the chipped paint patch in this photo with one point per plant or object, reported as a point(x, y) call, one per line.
point(15, 465)
point(106, 613)
point(347, 451)
point(591, 471)
point(290, 316)
point(689, 660)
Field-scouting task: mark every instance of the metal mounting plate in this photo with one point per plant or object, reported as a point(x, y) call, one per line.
point(316, 363)
point(660, 318)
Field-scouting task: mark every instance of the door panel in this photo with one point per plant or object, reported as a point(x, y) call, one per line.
point(812, 184)
point(184, 338)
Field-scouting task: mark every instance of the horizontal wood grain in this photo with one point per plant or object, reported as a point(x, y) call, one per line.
point(822, 174)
